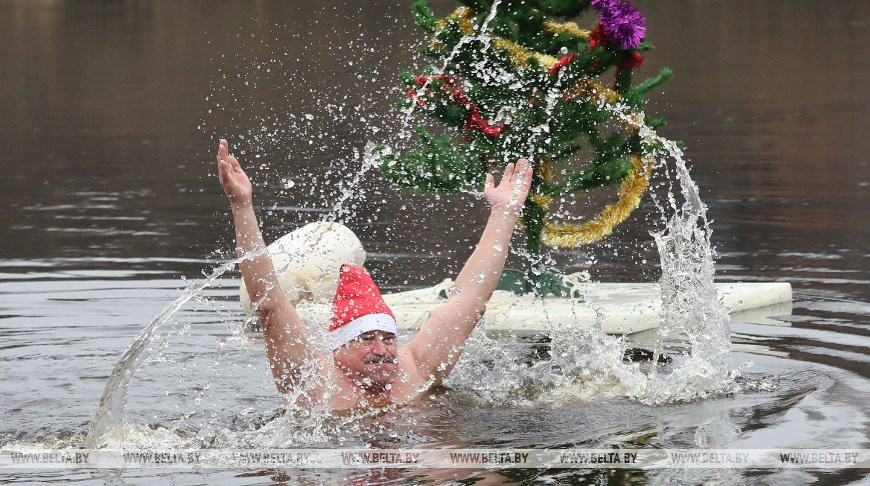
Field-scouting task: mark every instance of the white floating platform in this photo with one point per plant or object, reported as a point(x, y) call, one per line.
point(625, 308)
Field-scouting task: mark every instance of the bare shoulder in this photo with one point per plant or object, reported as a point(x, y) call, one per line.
point(410, 382)
point(313, 390)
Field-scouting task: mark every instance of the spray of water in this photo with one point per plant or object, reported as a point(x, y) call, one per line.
point(584, 363)
point(587, 364)
point(371, 158)
point(110, 411)
point(112, 403)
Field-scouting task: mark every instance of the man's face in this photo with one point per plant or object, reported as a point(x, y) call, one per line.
point(371, 359)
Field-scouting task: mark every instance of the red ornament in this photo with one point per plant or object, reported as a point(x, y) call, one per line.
point(412, 93)
point(473, 120)
point(631, 60)
point(597, 37)
point(491, 132)
point(564, 61)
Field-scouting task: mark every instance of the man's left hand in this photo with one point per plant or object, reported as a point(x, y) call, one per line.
point(511, 192)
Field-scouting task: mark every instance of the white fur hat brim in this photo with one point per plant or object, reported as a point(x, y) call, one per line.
point(360, 325)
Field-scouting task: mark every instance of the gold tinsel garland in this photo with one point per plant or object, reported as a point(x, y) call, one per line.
point(632, 186)
point(519, 55)
point(630, 191)
point(569, 28)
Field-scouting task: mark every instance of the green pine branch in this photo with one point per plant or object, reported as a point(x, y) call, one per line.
point(459, 159)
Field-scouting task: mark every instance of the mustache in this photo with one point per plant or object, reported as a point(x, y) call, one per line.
point(379, 358)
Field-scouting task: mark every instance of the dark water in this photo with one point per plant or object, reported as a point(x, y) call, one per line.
point(111, 110)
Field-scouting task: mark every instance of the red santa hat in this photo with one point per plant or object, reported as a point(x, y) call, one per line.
point(358, 307)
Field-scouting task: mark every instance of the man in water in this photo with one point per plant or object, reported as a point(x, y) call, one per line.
point(365, 366)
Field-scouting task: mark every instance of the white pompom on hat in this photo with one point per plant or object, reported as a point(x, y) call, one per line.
point(358, 307)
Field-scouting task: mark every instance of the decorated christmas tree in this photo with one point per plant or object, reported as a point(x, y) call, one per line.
point(521, 78)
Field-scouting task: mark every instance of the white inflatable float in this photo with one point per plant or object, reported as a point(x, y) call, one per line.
point(307, 262)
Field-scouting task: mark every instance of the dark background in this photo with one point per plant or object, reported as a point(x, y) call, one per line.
point(111, 110)
point(110, 113)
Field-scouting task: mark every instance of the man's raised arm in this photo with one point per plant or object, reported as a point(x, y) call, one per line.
point(439, 343)
point(286, 342)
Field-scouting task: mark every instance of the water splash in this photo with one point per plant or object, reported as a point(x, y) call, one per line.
point(587, 364)
point(371, 158)
point(583, 363)
point(108, 417)
point(111, 408)
point(693, 315)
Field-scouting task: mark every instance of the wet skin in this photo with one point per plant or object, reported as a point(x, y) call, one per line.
point(372, 355)
point(370, 370)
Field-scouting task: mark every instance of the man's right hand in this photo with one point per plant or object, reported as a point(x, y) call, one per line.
point(233, 179)
point(287, 344)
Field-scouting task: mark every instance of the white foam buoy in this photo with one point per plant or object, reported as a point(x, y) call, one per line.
point(308, 259)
